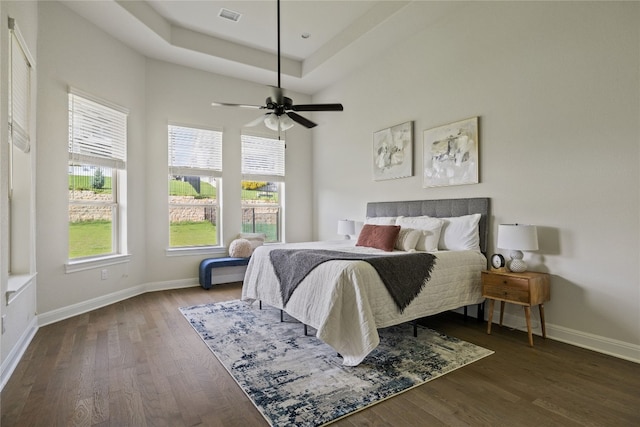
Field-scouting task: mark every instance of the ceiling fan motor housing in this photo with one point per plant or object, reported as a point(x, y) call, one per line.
point(282, 105)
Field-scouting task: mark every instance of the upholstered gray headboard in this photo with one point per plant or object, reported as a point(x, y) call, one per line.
point(439, 209)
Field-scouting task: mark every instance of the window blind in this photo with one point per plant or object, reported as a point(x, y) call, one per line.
point(97, 133)
point(262, 158)
point(194, 151)
point(19, 90)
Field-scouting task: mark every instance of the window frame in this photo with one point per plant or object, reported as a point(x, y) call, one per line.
point(115, 212)
point(101, 154)
point(21, 68)
point(206, 164)
point(19, 124)
point(270, 169)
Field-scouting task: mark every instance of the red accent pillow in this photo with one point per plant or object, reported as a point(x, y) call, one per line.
point(378, 236)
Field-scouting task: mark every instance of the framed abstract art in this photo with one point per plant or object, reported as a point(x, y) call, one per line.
point(450, 154)
point(393, 152)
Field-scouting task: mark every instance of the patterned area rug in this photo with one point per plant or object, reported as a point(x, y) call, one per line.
point(297, 380)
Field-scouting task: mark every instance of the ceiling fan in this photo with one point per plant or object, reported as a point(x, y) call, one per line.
point(282, 114)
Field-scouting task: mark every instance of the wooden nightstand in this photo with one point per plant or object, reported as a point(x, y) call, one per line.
point(526, 289)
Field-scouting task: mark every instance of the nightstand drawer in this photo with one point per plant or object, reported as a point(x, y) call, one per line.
point(505, 288)
point(502, 292)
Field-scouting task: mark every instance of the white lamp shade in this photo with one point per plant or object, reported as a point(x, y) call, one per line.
point(272, 121)
point(518, 237)
point(285, 122)
point(346, 227)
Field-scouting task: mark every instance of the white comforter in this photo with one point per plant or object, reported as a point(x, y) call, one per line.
point(346, 302)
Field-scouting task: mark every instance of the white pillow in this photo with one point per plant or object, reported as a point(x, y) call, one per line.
point(240, 248)
point(460, 233)
point(256, 239)
point(381, 220)
point(407, 239)
point(430, 228)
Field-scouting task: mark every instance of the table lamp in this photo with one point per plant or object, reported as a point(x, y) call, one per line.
point(346, 227)
point(517, 238)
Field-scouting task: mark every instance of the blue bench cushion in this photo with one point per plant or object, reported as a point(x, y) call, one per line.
point(208, 264)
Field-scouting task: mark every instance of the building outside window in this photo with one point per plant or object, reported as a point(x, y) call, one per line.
point(97, 173)
point(195, 168)
point(262, 184)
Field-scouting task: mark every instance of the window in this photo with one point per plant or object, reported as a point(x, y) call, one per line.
point(195, 167)
point(20, 162)
point(19, 90)
point(97, 177)
point(262, 186)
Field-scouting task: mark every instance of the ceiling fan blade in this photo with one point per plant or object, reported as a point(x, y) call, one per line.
point(317, 107)
point(303, 121)
point(279, 104)
point(224, 104)
point(257, 121)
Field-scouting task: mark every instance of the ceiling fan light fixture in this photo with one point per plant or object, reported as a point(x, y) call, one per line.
point(285, 122)
point(283, 113)
point(273, 121)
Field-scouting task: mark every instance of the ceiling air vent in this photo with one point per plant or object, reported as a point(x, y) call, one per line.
point(229, 14)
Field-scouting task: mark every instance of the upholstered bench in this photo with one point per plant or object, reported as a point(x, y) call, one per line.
point(208, 264)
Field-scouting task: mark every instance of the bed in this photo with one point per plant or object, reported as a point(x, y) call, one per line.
point(346, 301)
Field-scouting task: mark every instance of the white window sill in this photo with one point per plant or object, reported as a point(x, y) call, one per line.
point(89, 264)
point(16, 284)
point(205, 250)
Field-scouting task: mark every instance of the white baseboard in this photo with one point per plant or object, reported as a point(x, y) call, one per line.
point(600, 344)
point(13, 358)
point(102, 301)
point(616, 348)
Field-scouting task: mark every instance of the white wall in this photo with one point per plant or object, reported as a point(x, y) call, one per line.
point(72, 52)
point(18, 290)
point(75, 53)
point(181, 95)
point(556, 87)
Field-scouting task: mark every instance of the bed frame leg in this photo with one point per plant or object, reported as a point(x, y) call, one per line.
point(281, 316)
point(305, 329)
point(479, 313)
point(415, 328)
point(260, 304)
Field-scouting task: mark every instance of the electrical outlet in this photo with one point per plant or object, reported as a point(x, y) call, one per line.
point(104, 274)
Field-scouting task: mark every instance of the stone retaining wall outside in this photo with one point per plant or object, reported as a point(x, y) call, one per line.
point(181, 209)
point(190, 209)
point(89, 212)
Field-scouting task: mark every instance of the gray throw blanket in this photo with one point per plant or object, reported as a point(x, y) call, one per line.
point(403, 275)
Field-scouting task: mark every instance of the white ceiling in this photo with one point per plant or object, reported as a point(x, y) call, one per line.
point(342, 34)
point(322, 20)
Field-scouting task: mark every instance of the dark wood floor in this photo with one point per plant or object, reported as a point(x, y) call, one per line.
point(139, 363)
